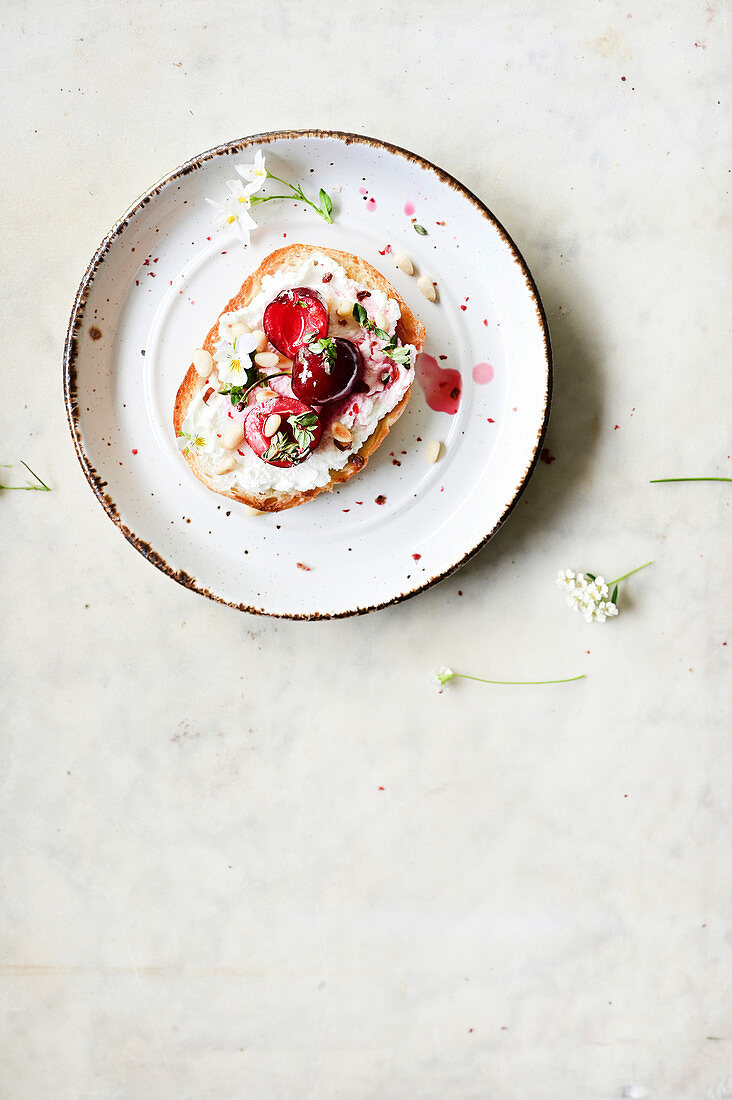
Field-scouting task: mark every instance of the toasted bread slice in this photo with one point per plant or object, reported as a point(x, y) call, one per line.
point(409, 330)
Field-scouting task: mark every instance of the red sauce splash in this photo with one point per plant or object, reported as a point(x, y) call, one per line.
point(483, 373)
point(442, 386)
point(409, 208)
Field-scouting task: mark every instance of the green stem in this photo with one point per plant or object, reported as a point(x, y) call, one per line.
point(40, 488)
point(259, 382)
point(464, 676)
point(658, 480)
point(297, 193)
point(630, 574)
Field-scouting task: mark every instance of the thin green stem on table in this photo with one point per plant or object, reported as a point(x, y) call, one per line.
point(659, 480)
point(482, 680)
point(629, 574)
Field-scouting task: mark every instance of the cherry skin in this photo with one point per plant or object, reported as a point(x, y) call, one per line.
point(318, 378)
point(293, 316)
point(285, 408)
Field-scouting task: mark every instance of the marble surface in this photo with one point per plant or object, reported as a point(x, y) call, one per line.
point(264, 859)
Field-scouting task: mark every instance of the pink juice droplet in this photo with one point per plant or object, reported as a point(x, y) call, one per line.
point(483, 373)
point(409, 208)
point(362, 191)
point(371, 204)
point(442, 386)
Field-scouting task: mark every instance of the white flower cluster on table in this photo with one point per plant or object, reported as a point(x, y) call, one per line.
point(235, 211)
point(587, 594)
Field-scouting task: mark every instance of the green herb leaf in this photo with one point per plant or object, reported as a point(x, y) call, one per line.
point(325, 201)
point(614, 597)
point(402, 356)
point(591, 576)
point(325, 346)
point(420, 229)
point(360, 314)
point(304, 427)
point(380, 333)
point(280, 448)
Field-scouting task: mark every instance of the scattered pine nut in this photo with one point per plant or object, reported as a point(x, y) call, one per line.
point(271, 425)
point(342, 436)
point(433, 450)
point(404, 263)
point(261, 337)
point(202, 362)
point(233, 436)
point(266, 359)
point(345, 308)
point(226, 465)
point(427, 287)
point(250, 511)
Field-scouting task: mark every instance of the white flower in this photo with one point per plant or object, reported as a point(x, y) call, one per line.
point(232, 359)
point(566, 580)
point(587, 595)
point(255, 173)
point(442, 676)
point(194, 442)
point(234, 211)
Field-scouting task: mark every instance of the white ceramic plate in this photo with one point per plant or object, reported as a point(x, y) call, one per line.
point(159, 280)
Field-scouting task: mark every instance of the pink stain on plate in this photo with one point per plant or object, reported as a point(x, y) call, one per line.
point(409, 208)
point(362, 191)
point(442, 386)
point(371, 204)
point(483, 373)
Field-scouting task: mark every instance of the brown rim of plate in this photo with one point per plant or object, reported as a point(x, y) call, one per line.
point(75, 324)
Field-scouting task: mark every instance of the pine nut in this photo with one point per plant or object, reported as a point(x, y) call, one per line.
point(433, 450)
point(404, 263)
point(271, 425)
point(253, 511)
point(345, 308)
point(342, 436)
point(202, 362)
point(381, 322)
point(226, 465)
point(261, 338)
point(233, 436)
point(266, 359)
point(260, 396)
point(427, 287)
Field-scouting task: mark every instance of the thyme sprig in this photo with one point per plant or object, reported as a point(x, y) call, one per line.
point(400, 355)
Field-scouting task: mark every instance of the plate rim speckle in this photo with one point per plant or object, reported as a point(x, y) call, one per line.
point(72, 352)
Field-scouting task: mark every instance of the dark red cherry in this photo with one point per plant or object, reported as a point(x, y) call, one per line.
point(325, 370)
point(294, 438)
point(293, 316)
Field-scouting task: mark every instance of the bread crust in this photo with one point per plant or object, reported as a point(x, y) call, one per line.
point(409, 330)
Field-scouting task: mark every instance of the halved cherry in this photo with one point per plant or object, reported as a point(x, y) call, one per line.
point(325, 370)
point(295, 438)
point(293, 316)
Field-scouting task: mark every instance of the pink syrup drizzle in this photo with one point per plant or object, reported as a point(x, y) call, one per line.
point(442, 386)
point(409, 208)
point(483, 373)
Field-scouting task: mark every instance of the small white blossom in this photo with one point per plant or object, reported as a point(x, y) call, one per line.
point(255, 173)
point(232, 359)
point(234, 211)
point(587, 595)
point(442, 676)
point(194, 442)
point(566, 580)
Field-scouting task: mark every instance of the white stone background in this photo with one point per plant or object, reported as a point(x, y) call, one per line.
point(205, 893)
